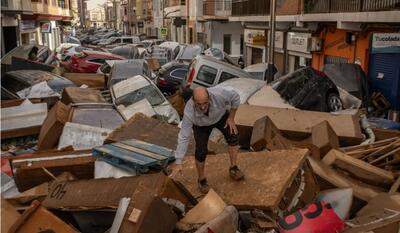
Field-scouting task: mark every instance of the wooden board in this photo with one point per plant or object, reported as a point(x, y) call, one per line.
point(267, 177)
point(363, 191)
point(91, 80)
point(358, 168)
point(300, 123)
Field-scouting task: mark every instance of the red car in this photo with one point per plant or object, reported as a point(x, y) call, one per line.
point(90, 61)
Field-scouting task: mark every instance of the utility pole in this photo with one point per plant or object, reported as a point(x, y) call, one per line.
point(115, 13)
point(271, 49)
point(187, 23)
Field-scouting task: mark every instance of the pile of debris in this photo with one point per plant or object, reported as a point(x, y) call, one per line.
point(94, 172)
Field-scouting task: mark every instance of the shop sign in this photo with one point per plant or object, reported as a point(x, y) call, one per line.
point(278, 39)
point(385, 40)
point(255, 37)
point(299, 42)
point(46, 27)
point(27, 24)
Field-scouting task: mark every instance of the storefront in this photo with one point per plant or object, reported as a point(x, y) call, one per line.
point(28, 31)
point(51, 34)
point(279, 51)
point(298, 45)
point(255, 50)
point(384, 66)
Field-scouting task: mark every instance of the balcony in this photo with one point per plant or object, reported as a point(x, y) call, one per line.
point(16, 5)
point(250, 7)
point(339, 6)
point(40, 8)
point(217, 9)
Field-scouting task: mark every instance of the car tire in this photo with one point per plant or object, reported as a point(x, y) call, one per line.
point(334, 103)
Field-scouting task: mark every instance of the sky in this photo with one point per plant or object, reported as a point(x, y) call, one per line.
point(94, 3)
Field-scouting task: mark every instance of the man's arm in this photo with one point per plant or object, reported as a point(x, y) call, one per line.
point(233, 98)
point(183, 140)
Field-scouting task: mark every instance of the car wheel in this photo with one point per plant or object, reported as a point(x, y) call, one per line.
point(334, 102)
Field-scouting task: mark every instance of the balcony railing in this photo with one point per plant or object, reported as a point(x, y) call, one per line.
point(217, 8)
point(16, 5)
point(250, 7)
point(336, 6)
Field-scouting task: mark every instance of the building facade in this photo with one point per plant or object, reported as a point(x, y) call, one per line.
point(97, 17)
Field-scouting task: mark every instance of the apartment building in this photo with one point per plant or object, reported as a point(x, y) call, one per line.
point(97, 17)
point(34, 22)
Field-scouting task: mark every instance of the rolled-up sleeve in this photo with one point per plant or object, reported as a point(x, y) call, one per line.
point(183, 139)
point(231, 97)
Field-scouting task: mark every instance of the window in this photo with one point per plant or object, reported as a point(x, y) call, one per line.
point(178, 73)
point(207, 74)
point(227, 44)
point(226, 76)
point(149, 92)
point(98, 60)
point(127, 40)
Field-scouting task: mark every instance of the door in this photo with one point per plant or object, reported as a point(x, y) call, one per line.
point(10, 38)
point(227, 43)
point(384, 76)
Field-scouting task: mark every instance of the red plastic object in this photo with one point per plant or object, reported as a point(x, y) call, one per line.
point(315, 218)
point(5, 165)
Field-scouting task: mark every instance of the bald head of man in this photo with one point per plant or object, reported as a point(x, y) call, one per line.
point(200, 99)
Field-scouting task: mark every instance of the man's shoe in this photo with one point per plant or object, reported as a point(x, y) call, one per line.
point(203, 186)
point(235, 173)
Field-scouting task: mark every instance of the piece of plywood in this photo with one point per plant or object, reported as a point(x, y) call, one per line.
point(154, 131)
point(300, 123)
point(363, 191)
point(91, 80)
point(358, 168)
point(324, 137)
point(267, 177)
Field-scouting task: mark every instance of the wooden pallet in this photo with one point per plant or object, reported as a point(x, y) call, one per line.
point(134, 155)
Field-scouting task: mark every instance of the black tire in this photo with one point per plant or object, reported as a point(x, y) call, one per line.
point(334, 103)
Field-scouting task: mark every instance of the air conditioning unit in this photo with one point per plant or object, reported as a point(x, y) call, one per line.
point(316, 44)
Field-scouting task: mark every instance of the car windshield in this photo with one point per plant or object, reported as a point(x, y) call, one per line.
point(288, 86)
point(148, 92)
point(189, 52)
point(257, 75)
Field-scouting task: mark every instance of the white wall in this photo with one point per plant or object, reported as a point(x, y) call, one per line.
point(217, 31)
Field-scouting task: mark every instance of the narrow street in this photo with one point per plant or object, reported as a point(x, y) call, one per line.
point(184, 116)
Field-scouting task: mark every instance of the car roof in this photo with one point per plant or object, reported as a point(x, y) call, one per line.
point(209, 59)
point(33, 76)
point(259, 67)
point(106, 54)
point(245, 87)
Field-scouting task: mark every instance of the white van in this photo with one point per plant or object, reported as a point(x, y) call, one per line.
point(208, 71)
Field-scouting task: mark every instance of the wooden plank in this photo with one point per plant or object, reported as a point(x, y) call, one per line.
point(385, 155)
point(363, 191)
point(358, 168)
point(368, 146)
point(383, 150)
point(360, 153)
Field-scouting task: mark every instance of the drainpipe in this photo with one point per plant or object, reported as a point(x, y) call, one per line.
point(187, 23)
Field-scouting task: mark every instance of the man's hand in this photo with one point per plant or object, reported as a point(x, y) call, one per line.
point(232, 126)
point(176, 169)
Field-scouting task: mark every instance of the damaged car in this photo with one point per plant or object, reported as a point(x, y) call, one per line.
point(140, 94)
point(23, 84)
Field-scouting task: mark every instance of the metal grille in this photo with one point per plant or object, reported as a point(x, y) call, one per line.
point(335, 60)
